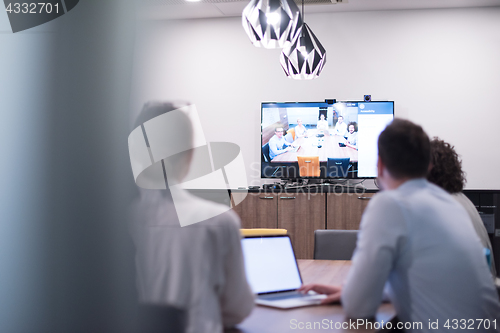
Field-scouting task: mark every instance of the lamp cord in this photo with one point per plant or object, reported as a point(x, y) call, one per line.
point(303, 15)
point(303, 19)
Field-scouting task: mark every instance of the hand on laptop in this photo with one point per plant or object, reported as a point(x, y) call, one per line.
point(333, 292)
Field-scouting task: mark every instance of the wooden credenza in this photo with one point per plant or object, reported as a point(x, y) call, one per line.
point(257, 210)
point(301, 213)
point(344, 211)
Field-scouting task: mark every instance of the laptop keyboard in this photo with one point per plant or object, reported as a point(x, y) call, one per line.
point(281, 297)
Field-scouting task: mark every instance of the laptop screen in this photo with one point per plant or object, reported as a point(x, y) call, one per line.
point(270, 264)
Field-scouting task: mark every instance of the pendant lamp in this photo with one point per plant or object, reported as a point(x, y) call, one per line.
point(271, 23)
point(305, 57)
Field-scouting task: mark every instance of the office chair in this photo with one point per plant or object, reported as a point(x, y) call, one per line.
point(289, 137)
point(156, 318)
point(309, 166)
point(265, 152)
point(334, 244)
point(337, 167)
point(292, 132)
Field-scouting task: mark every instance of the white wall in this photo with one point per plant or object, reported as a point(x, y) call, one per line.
point(441, 67)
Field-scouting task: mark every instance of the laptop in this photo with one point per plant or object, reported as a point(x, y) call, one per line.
point(273, 274)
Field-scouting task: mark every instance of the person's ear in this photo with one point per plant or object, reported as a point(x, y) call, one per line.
point(429, 168)
point(380, 168)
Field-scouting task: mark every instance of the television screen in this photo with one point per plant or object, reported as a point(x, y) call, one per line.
point(322, 140)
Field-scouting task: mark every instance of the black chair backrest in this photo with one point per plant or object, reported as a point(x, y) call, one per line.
point(265, 152)
point(155, 318)
point(337, 167)
point(334, 244)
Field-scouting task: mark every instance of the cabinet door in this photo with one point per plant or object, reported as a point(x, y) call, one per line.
point(301, 214)
point(257, 210)
point(344, 210)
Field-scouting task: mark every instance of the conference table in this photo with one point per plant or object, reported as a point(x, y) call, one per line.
point(329, 318)
point(310, 146)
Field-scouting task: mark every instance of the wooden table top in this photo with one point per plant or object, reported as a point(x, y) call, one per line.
point(325, 317)
point(309, 147)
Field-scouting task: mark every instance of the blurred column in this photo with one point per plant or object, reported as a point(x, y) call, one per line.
point(66, 260)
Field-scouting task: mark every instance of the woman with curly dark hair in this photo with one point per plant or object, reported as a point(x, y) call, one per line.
point(446, 172)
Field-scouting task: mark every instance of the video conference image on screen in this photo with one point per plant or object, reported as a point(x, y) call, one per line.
point(322, 140)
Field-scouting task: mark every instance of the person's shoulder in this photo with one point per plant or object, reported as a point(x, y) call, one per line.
point(384, 202)
point(386, 196)
point(441, 194)
point(420, 186)
point(461, 198)
point(385, 210)
point(153, 209)
point(423, 193)
point(221, 215)
point(465, 202)
point(389, 201)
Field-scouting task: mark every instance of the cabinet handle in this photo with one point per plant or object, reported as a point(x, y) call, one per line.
point(287, 198)
point(364, 198)
point(266, 198)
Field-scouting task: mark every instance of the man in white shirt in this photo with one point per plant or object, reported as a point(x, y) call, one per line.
point(340, 127)
point(416, 238)
point(198, 268)
point(278, 145)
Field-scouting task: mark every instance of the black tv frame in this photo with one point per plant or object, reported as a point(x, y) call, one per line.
point(290, 170)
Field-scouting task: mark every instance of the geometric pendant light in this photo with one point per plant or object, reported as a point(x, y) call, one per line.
point(305, 57)
point(271, 23)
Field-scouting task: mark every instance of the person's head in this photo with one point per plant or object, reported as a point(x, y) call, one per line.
point(177, 166)
point(352, 127)
point(322, 117)
point(279, 132)
point(403, 152)
point(299, 121)
point(446, 167)
point(341, 119)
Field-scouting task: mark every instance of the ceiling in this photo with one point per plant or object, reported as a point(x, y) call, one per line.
point(180, 9)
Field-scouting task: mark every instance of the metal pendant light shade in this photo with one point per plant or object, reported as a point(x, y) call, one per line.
point(271, 23)
point(305, 57)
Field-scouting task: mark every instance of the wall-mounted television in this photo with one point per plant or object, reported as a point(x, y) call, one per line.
point(331, 139)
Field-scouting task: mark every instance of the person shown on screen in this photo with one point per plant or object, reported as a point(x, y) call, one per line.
point(415, 239)
point(352, 136)
point(278, 145)
point(322, 123)
point(340, 127)
point(300, 130)
point(197, 268)
point(446, 172)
